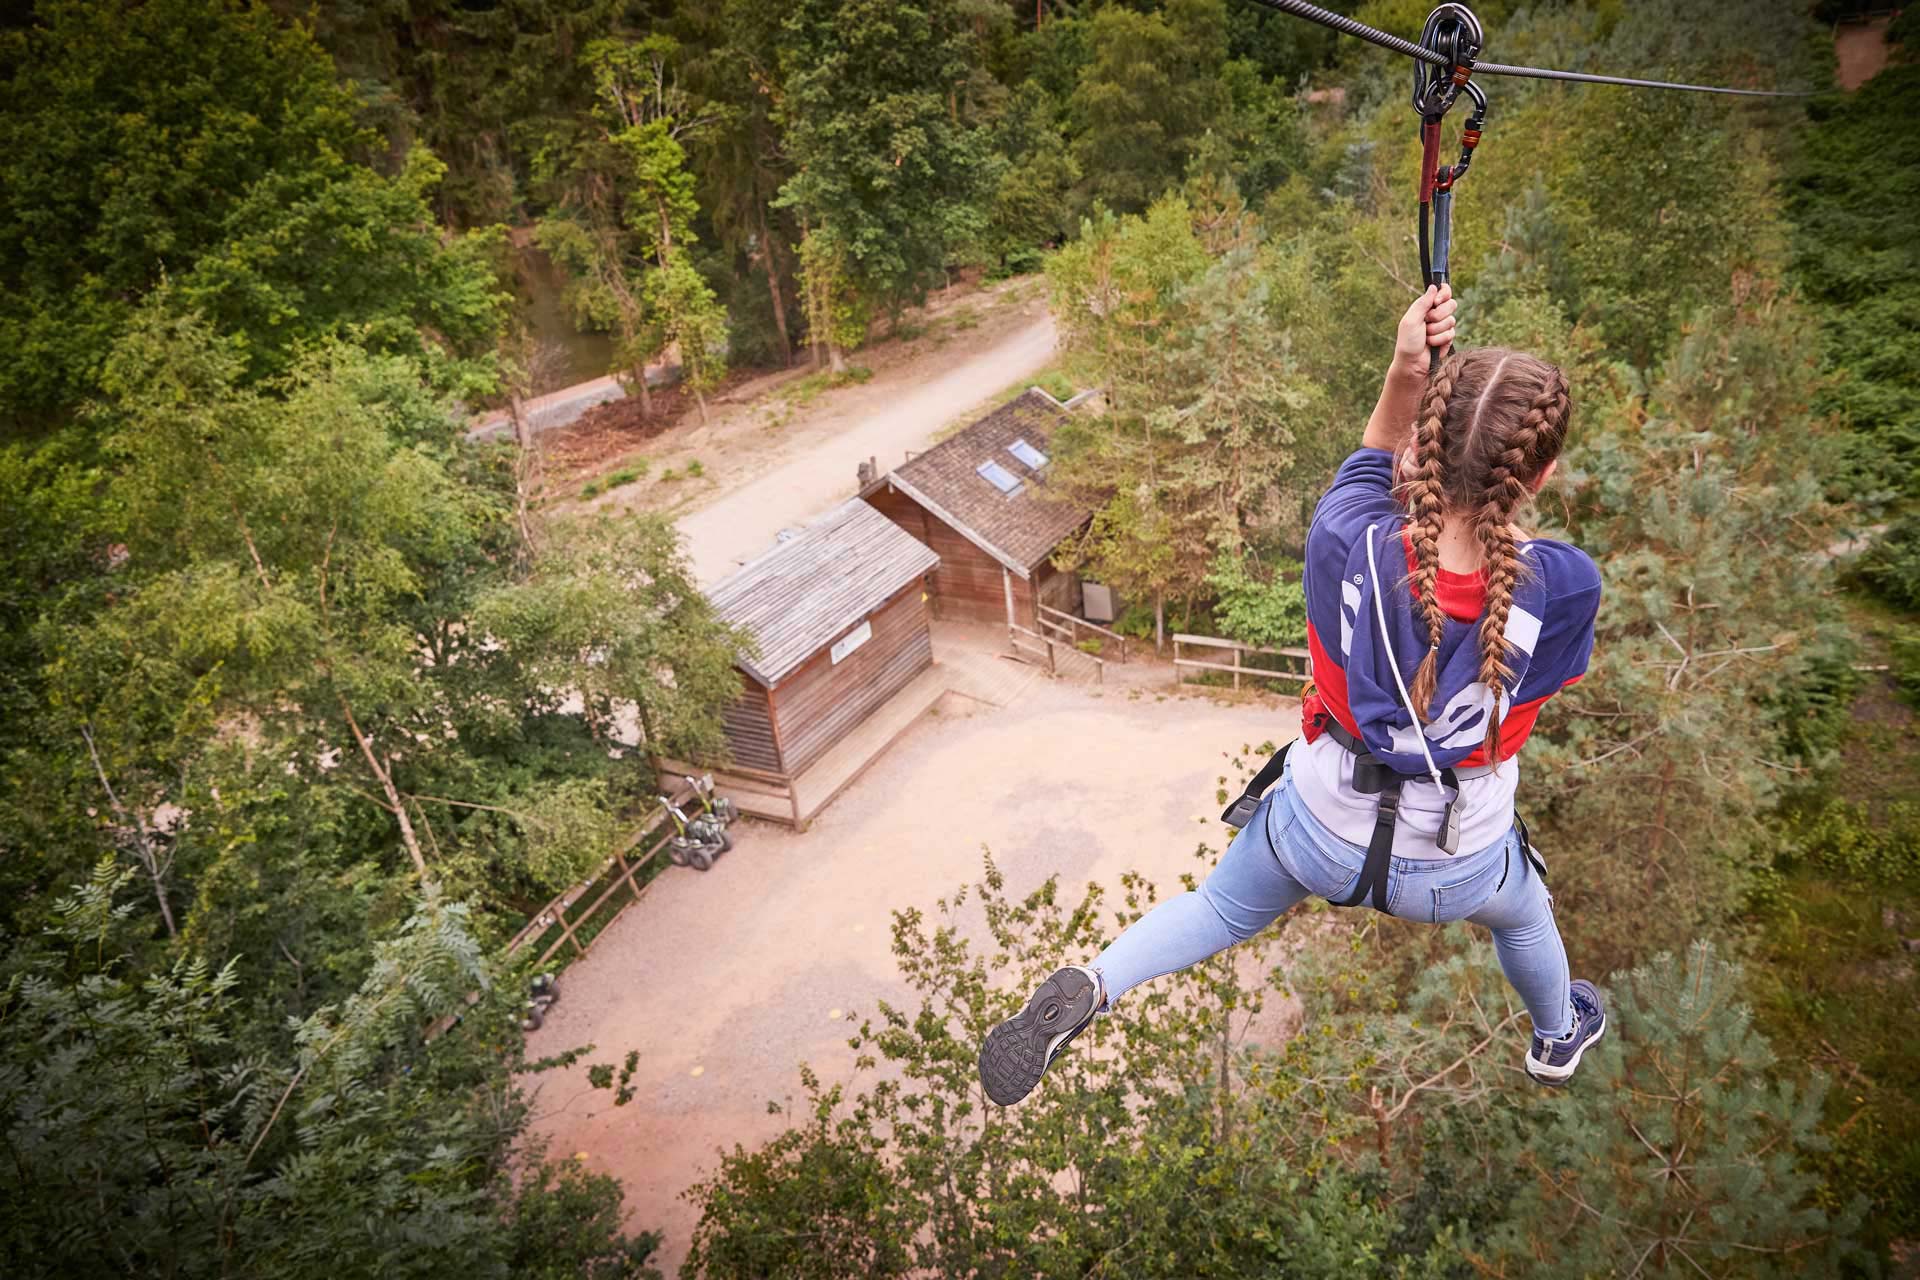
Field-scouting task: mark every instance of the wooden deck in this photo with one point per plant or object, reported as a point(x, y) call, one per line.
point(833, 772)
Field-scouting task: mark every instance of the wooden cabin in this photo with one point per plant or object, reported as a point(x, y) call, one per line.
point(839, 617)
point(978, 500)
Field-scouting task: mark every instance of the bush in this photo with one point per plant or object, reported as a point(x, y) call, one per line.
point(1269, 611)
point(1891, 569)
point(1903, 646)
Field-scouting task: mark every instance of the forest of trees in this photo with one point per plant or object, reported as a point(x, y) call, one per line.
point(306, 702)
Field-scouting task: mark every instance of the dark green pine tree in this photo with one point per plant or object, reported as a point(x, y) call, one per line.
point(1679, 1151)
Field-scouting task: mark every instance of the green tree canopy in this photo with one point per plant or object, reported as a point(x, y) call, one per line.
point(207, 144)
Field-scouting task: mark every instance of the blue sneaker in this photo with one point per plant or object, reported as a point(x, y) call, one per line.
point(1553, 1061)
point(1019, 1051)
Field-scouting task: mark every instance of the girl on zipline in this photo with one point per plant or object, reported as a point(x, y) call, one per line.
point(1437, 629)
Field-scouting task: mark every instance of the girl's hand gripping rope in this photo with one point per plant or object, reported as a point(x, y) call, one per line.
point(1427, 327)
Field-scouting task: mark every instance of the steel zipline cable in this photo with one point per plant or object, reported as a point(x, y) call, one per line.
point(1407, 48)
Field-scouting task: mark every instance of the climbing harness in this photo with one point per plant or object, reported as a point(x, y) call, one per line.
point(1373, 776)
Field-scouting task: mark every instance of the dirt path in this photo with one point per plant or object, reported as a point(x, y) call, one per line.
point(887, 422)
point(784, 456)
point(1860, 49)
point(726, 981)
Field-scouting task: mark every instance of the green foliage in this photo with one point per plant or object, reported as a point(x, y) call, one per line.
point(1672, 745)
point(1270, 612)
point(1196, 1153)
point(354, 1148)
point(1853, 198)
point(1679, 1150)
point(210, 146)
point(1172, 313)
point(887, 178)
point(1150, 94)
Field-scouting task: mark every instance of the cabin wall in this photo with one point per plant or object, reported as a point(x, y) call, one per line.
point(821, 702)
point(748, 723)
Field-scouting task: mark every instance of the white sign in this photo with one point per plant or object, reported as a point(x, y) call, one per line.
point(851, 641)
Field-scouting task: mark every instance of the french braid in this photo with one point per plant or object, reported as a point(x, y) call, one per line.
point(1517, 454)
point(1426, 499)
point(1490, 423)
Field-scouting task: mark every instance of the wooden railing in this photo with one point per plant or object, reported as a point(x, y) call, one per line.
point(1040, 647)
point(616, 873)
point(1060, 620)
point(1237, 668)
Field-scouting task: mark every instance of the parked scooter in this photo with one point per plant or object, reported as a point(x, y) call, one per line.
point(696, 841)
point(721, 807)
point(543, 992)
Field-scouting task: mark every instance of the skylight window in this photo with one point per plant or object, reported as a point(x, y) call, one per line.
point(1027, 454)
point(999, 477)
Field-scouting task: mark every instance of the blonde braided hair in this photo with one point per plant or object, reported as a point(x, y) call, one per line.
point(1424, 492)
point(1491, 422)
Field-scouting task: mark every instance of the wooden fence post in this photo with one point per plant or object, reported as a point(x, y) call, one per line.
point(1236, 670)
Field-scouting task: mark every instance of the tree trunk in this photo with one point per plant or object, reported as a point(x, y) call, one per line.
point(149, 856)
point(773, 288)
point(1159, 622)
point(385, 777)
point(700, 398)
point(836, 359)
point(646, 392)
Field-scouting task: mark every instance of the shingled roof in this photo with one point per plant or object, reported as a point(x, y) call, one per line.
point(1019, 529)
point(801, 596)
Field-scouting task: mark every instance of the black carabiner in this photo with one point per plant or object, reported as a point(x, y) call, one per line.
point(1453, 30)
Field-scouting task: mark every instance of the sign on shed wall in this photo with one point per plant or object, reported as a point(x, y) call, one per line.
point(852, 640)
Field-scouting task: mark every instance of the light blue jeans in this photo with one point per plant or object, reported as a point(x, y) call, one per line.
point(1284, 854)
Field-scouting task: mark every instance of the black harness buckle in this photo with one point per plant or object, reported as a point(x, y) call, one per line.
point(1241, 812)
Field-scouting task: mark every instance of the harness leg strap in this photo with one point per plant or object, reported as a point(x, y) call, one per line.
point(1373, 872)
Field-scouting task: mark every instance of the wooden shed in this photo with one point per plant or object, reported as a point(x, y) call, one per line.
point(838, 614)
point(978, 499)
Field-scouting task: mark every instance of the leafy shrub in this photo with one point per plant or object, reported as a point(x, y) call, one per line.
point(1845, 840)
point(591, 489)
point(1903, 645)
point(1270, 611)
point(696, 469)
point(1891, 569)
point(1056, 384)
point(627, 475)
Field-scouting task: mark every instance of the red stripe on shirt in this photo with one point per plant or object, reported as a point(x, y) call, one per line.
point(1330, 682)
point(1462, 596)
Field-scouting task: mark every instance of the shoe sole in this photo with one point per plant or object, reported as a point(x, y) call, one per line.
point(1019, 1051)
point(1561, 1081)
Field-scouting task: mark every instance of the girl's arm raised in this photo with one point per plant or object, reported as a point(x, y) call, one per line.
point(1427, 327)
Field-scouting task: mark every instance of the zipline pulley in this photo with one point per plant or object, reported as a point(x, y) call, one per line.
point(1453, 31)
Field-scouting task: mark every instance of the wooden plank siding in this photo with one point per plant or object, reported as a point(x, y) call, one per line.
point(748, 723)
point(966, 586)
point(820, 702)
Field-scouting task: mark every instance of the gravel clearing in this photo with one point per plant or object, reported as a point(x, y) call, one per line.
point(726, 981)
